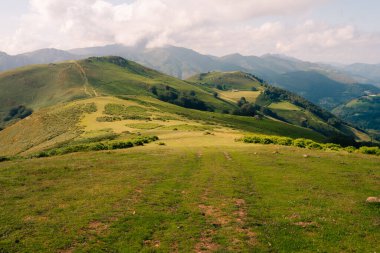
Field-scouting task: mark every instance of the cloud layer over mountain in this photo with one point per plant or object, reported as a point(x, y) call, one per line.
point(209, 26)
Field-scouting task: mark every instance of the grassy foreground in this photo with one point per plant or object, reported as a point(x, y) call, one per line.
point(208, 194)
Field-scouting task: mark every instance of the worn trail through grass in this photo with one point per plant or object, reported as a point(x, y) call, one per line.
point(190, 199)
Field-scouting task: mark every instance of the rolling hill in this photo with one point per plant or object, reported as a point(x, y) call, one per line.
point(363, 112)
point(320, 89)
point(274, 102)
point(51, 93)
point(313, 81)
point(35, 87)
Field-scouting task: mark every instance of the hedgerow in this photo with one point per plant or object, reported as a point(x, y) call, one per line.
point(309, 144)
point(98, 146)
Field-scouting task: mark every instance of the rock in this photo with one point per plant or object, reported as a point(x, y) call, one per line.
point(373, 200)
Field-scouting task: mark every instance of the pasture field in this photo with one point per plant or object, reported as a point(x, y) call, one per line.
point(196, 193)
point(284, 106)
point(235, 96)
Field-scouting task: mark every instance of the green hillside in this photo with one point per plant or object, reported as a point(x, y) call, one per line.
point(264, 99)
point(35, 87)
point(110, 118)
point(363, 112)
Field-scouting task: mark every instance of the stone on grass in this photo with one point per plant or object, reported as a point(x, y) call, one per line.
point(373, 200)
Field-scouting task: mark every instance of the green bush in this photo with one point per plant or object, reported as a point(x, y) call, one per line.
point(350, 149)
point(4, 159)
point(121, 145)
point(305, 143)
point(252, 139)
point(314, 145)
point(370, 150)
point(111, 145)
point(333, 146)
point(267, 140)
point(285, 141)
point(301, 143)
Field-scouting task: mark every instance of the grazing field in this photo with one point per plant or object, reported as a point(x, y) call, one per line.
point(284, 106)
point(235, 96)
point(208, 194)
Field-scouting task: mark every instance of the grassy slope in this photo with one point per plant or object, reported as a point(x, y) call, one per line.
point(209, 193)
point(242, 83)
point(40, 86)
point(232, 80)
point(134, 79)
point(61, 124)
point(363, 112)
point(45, 85)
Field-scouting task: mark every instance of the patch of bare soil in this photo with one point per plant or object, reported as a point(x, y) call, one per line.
point(97, 227)
point(205, 243)
point(227, 156)
point(241, 217)
point(306, 224)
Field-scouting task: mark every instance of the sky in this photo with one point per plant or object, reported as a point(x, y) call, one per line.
point(339, 31)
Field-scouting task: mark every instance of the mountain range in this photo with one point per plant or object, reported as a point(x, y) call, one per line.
point(327, 85)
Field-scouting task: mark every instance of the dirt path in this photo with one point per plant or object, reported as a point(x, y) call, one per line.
point(86, 84)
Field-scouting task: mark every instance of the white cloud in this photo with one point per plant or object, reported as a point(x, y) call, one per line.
point(210, 26)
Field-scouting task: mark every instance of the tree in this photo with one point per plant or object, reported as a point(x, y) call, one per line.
point(242, 102)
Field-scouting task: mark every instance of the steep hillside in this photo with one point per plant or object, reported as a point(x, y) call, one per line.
point(296, 75)
point(371, 72)
point(257, 98)
point(320, 89)
point(38, 86)
point(43, 56)
point(363, 112)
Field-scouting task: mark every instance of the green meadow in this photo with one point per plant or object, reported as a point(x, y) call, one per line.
point(198, 193)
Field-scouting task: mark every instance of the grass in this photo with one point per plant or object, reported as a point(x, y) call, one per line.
point(235, 96)
point(97, 146)
point(228, 80)
point(304, 143)
point(187, 127)
point(122, 112)
point(71, 122)
point(144, 126)
point(211, 197)
point(45, 129)
point(284, 106)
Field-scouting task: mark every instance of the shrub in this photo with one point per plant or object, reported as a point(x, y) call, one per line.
point(252, 139)
point(301, 143)
point(266, 140)
point(121, 145)
point(97, 146)
point(305, 143)
point(350, 149)
point(284, 141)
point(332, 146)
point(4, 159)
point(314, 145)
point(370, 150)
